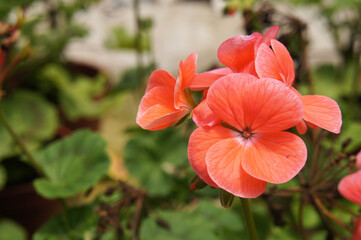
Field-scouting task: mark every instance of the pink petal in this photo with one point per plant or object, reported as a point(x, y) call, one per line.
point(156, 110)
point(224, 167)
point(270, 34)
point(274, 157)
point(323, 112)
point(203, 115)
point(186, 73)
point(264, 105)
point(160, 78)
point(301, 127)
point(285, 61)
point(199, 143)
point(350, 187)
point(267, 65)
point(205, 80)
point(237, 53)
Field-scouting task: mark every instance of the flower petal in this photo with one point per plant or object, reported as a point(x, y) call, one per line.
point(199, 143)
point(237, 53)
point(264, 105)
point(274, 157)
point(224, 167)
point(186, 73)
point(203, 115)
point(350, 187)
point(268, 36)
point(285, 60)
point(156, 110)
point(301, 127)
point(206, 79)
point(160, 78)
point(323, 112)
point(267, 65)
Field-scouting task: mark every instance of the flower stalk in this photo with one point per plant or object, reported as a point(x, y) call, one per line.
point(249, 219)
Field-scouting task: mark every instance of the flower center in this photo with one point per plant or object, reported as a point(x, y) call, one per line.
point(246, 134)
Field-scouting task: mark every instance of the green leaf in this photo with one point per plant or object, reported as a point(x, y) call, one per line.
point(10, 230)
point(32, 118)
point(205, 222)
point(72, 164)
point(156, 158)
point(76, 94)
point(75, 223)
point(3, 177)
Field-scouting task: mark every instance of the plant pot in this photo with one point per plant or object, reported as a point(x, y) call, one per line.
point(22, 204)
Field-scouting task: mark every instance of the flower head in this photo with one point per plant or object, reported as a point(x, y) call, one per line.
point(165, 101)
point(249, 148)
point(319, 111)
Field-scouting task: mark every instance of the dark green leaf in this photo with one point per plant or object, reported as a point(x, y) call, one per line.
point(72, 164)
point(75, 223)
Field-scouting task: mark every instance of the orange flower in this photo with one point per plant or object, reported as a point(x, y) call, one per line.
point(165, 101)
point(319, 111)
point(249, 148)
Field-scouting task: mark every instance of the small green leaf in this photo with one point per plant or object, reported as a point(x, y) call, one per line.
point(10, 230)
point(226, 198)
point(72, 164)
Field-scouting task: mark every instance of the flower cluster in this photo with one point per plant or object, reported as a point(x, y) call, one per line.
point(240, 144)
point(350, 188)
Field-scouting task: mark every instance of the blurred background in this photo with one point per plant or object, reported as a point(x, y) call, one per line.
point(71, 65)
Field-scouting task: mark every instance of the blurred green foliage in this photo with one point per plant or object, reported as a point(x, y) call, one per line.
point(10, 230)
point(71, 165)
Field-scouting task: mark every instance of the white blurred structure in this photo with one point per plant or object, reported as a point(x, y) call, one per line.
point(179, 28)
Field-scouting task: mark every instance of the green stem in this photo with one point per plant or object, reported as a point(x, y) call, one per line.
point(20, 143)
point(249, 219)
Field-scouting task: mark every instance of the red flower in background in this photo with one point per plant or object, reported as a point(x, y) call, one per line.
point(250, 147)
point(319, 111)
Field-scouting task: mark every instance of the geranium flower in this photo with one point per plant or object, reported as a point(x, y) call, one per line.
point(358, 160)
point(165, 101)
point(319, 111)
point(238, 54)
point(249, 148)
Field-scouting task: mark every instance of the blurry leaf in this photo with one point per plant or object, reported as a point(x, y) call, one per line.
point(72, 225)
point(122, 39)
point(76, 95)
point(132, 79)
point(206, 222)
point(7, 6)
point(33, 119)
point(2, 177)
point(72, 164)
point(10, 230)
point(155, 158)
